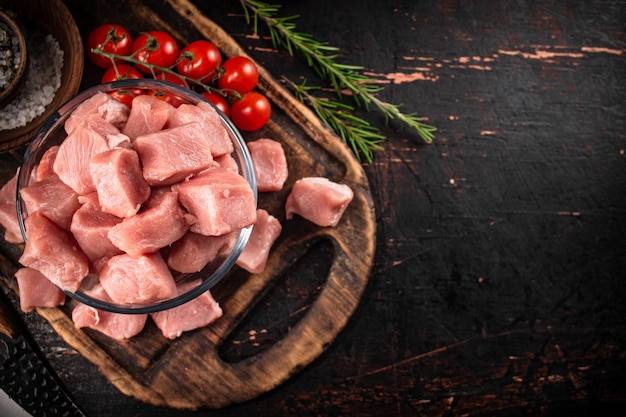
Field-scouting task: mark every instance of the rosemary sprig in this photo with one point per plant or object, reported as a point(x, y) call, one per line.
point(362, 137)
point(322, 57)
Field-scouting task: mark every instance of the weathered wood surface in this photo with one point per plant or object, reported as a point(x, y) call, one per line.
point(189, 372)
point(497, 283)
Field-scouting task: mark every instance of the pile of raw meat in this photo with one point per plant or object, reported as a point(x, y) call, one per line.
point(135, 198)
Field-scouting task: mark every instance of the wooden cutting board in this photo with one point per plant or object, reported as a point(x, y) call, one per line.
point(324, 269)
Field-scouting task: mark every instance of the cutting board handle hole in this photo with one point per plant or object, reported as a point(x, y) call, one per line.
point(280, 309)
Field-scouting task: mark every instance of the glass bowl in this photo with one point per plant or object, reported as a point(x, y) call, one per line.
point(52, 133)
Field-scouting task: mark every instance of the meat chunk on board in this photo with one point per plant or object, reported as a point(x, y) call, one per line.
point(318, 200)
point(119, 182)
point(266, 230)
point(270, 164)
point(173, 154)
point(117, 326)
point(192, 315)
point(36, 290)
point(220, 199)
point(53, 251)
point(161, 223)
point(137, 280)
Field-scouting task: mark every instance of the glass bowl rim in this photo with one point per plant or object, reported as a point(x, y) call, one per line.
point(55, 121)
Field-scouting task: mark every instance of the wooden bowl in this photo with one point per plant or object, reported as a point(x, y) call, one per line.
point(9, 92)
point(49, 17)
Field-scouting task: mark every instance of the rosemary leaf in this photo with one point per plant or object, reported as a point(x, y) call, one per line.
point(363, 138)
point(322, 57)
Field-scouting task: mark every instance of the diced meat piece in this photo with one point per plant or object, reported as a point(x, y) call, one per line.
point(72, 161)
point(194, 251)
point(97, 124)
point(36, 290)
point(137, 280)
point(194, 314)
point(318, 200)
point(215, 135)
point(46, 163)
point(171, 155)
point(8, 211)
point(91, 198)
point(220, 199)
point(115, 325)
point(266, 230)
point(227, 161)
point(148, 114)
point(53, 251)
point(102, 105)
point(159, 225)
point(53, 198)
point(119, 182)
point(118, 140)
point(90, 227)
point(270, 164)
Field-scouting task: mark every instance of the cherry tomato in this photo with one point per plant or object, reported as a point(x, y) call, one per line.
point(122, 72)
point(240, 74)
point(218, 100)
point(174, 79)
point(111, 38)
point(125, 96)
point(156, 48)
point(173, 99)
point(199, 60)
point(251, 112)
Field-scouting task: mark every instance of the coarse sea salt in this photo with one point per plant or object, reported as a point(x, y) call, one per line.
point(43, 79)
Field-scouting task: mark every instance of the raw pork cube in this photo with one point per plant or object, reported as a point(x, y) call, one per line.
point(270, 164)
point(36, 290)
point(90, 227)
point(159, 225)
point(119, 182)
point(72, 161)
point(8, 212)
point(136, 280)
point(118, 140)
point(318, 200)
point(220, 199)
point(194, 314)
point(97, 124)
point(204, 113)
point(45, 166)
point(171, 155)
point(53, 251)
point(53, 198)
point(227, 161)
point(266, 230)
point(117, 326)
point(148, 114)
point(102, 105)
point(194, 251)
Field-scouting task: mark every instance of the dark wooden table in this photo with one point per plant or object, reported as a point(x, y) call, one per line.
point(498, 282)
